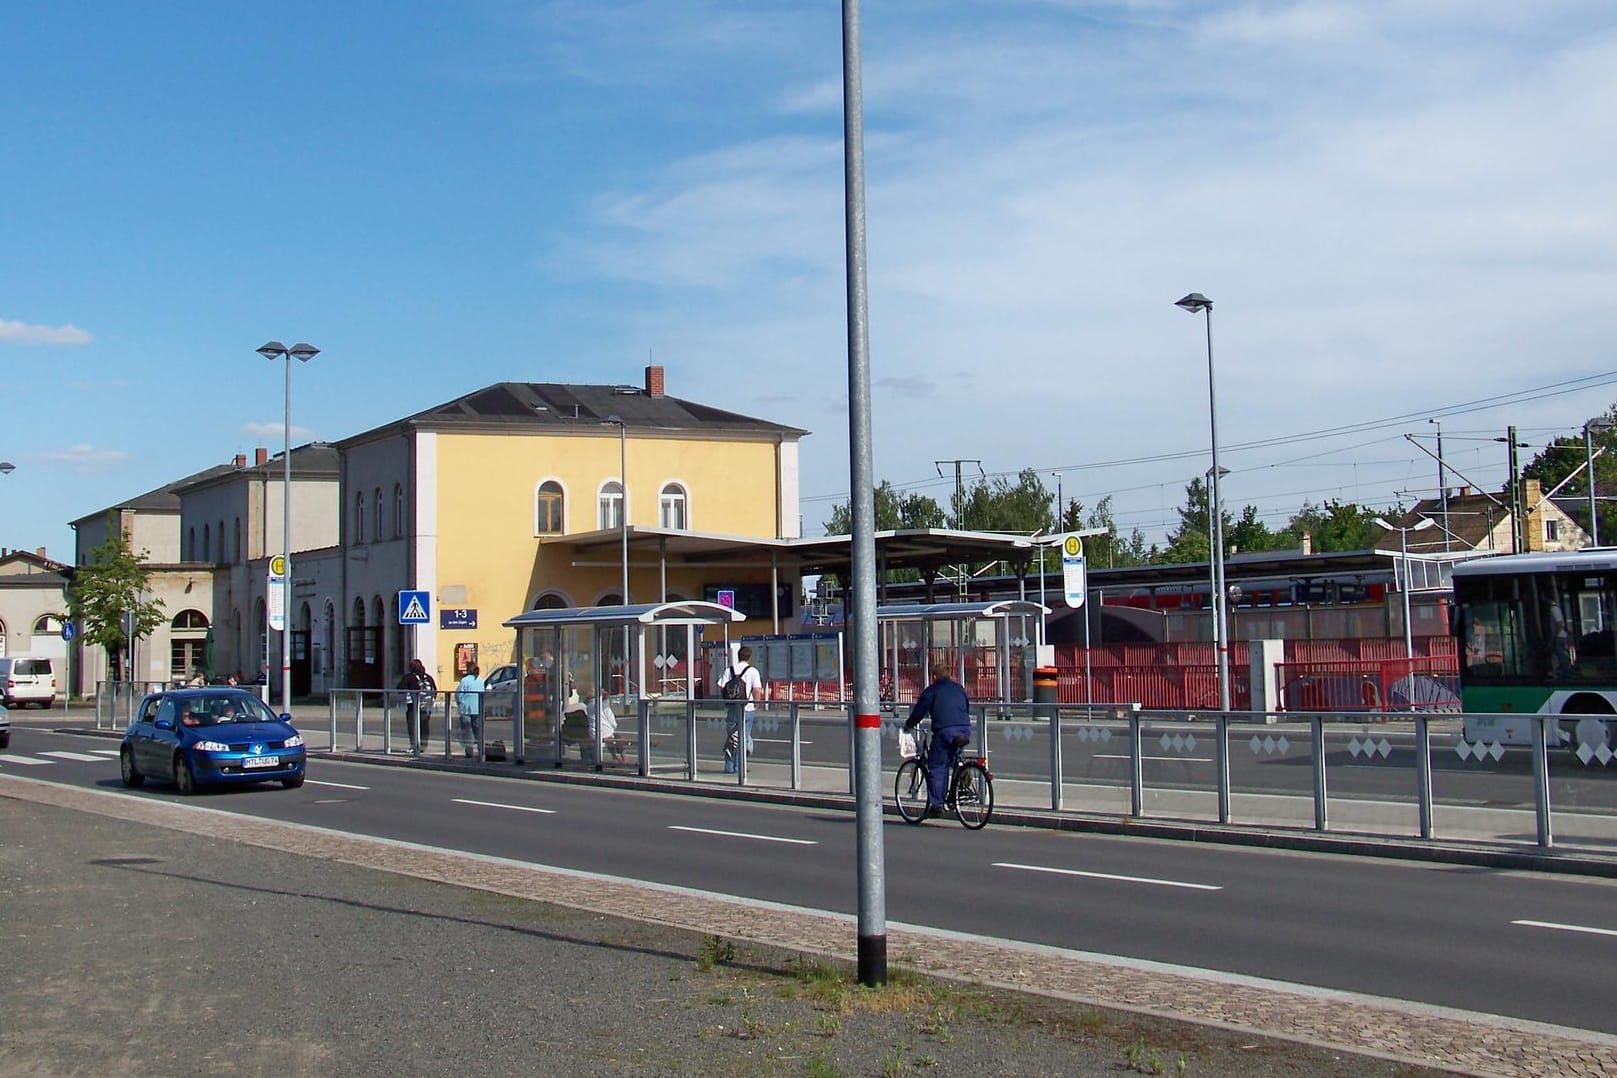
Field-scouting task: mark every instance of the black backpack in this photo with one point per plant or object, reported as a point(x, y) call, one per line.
point(735, 688)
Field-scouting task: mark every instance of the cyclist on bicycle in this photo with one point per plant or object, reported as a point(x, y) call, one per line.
point(946, 703)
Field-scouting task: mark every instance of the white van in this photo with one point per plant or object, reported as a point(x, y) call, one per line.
point(27, 679)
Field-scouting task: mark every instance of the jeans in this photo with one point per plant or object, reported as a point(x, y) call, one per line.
point(940, 760)
point(735, 723)
point(471, 724)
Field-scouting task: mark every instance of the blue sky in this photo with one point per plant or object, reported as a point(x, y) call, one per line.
point(1398, 209)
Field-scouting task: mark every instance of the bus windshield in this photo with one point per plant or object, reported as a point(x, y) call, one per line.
point(1536, 628)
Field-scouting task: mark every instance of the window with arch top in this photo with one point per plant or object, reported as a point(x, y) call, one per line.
point(547, 508)
point(610, 513)
point(671, 507)
point(359, 517)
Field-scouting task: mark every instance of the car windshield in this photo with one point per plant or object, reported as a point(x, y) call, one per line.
point(233, 707)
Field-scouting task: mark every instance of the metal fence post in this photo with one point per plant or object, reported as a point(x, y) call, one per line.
point(331, 706)
point(847, 714)
point(1423, 772)
point(1221, 760)
point(1136, 769)
point(359, 720)
point(1541, 782)
point(690, 740)
point(1055, 757)
point(796, 714)
point(387, 722)
point(1316, 734)
point(643, 718)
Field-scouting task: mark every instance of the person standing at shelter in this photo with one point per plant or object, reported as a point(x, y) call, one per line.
point(469, 702)
point(742, 687)
point(946, 703)
point(419, 689)
point(536, 690)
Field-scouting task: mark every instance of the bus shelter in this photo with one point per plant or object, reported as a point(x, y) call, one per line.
point(584, 671)
point(987, 644)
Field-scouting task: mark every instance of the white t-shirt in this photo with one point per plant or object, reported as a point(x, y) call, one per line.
point(608, 720)
point(750, 677)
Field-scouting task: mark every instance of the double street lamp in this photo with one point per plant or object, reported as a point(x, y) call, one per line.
point(1403, 558)
point(623, 526)
point(1196, 303)
point(302, 353)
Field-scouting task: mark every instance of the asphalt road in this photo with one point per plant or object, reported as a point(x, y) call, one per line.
point(1530, 946)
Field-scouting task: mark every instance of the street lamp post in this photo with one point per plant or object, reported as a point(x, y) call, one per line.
point(302, 353)
point(1589, 429)
point(623, 527)
point(1196, 303)
point(1403, 558)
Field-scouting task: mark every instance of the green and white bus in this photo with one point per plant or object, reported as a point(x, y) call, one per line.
point(1537, 634)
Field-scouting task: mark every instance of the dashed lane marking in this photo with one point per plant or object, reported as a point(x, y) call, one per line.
point(1110, 876)
point(743, 834)
point(1568, 928)
point(63, 754)
point(498, 805)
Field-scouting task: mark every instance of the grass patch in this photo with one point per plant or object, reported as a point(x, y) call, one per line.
point(714, 951)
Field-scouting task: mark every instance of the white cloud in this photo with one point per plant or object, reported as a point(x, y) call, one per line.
point(84, 457)
point(276, 431)
point(27, 333)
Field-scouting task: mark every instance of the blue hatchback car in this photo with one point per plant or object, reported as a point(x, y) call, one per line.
point(210, 736)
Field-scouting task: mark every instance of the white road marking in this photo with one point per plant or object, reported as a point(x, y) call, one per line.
point(105, 752)
point(29, 760)
point(497, 805)
point(62, 754)
point(338, 785)
point(743, 834)
point(1125, 756)
point(1568, 928)
point(1109, 876)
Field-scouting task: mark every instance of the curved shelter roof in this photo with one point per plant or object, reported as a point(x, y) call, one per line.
point(691, 612)
point(1000, 608)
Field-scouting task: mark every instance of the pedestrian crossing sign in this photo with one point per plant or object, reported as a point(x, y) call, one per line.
point(415, 608)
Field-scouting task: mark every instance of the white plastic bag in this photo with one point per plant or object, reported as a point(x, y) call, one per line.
point(906, 744)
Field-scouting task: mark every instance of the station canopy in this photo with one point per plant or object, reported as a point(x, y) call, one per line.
point(1003, 608)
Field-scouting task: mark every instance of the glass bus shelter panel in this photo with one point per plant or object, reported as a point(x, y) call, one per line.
point(1372, 785)
point(1094, 762)
point(1179, 779)
point(1583, 783)
point(666, 752)
point(1482, 790)
point(825, 746)
point(1271, 773)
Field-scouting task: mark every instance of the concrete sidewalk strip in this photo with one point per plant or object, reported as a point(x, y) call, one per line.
point(1463, 1041)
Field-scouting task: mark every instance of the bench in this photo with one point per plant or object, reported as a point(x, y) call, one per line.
point(575, 731)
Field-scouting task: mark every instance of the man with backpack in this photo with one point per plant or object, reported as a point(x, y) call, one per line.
point(741, 686)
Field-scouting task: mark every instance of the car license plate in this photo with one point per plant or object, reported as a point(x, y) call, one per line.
point(261, 761)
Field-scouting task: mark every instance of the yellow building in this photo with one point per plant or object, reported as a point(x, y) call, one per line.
point(506, 499)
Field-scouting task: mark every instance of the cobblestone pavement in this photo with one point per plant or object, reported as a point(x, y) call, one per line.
point(1461, 1041)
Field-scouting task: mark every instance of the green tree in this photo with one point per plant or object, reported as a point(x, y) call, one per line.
point(894, 511)
point(1190, 541)
point(1003, 506)
point(1336, 526)
point(109, 586)
point(1249, 533)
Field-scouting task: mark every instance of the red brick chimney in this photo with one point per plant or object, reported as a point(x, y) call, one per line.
point(241, 460)
point(261, 455)
point(654, 381)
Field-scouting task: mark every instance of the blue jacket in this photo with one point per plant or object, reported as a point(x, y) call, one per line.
point(945, 701)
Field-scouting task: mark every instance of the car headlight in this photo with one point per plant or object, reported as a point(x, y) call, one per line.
point(294, 741)
point(211, 746)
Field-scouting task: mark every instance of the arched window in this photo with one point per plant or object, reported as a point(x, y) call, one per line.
point(48, 625)
point(221, 551)
point(191, 544)
point(359, 612)
point(207, 543)
point(188, 642)
point(547, 509)
point(671, 507)
point(236, 547)
point(190, 619)
point(609, 511)
point(379, 514)
point(359, 518)
point(399, 530)
point(550, 601)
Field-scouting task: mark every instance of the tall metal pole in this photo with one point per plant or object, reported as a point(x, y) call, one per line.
point(1442, 482)
point(1518, 526)
point(1409, 631)
point(1589, 459)
point(623, 536)
point(866, 663)
point(286, 544)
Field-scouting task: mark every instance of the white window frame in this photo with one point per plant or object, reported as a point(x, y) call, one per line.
point(674, 493)
point(609, 494)
point(538, 490)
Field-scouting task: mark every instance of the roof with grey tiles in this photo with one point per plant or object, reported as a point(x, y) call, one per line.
point(541, 406)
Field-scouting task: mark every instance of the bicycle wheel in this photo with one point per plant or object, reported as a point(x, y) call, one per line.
point(973, 795)
point(909, 791)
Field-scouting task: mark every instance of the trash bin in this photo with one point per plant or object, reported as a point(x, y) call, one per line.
point(1044, 685)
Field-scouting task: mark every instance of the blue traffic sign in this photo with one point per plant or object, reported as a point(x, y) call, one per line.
point(69, 630)
point(457, 619)
point(415, 608)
